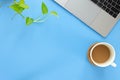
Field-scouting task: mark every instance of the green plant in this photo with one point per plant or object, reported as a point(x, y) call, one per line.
point(20, 6)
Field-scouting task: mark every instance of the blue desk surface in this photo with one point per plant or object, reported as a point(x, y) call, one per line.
point(53, 50)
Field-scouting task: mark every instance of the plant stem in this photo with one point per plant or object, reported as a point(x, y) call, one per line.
point(22, 16)
point(39, 20)
point(14, 16)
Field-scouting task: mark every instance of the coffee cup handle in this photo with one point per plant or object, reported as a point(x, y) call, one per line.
point(113, 65)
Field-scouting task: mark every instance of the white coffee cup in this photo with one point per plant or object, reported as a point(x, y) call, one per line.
point(111, 59)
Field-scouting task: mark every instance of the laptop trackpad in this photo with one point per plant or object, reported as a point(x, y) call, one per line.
point(103, 23)
point(83, 9)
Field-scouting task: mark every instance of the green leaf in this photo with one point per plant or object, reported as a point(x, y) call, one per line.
point(24, 6)
point(17, 8)
point(22, 2)
point(54, 13)
point(44, 8)
point(29, 20)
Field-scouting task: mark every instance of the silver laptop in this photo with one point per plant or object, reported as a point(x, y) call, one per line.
point(100, 15)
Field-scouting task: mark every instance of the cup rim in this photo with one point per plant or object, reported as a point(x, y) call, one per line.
point(106, 63)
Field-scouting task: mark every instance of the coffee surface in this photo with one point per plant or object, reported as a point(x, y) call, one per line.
point(101, 54)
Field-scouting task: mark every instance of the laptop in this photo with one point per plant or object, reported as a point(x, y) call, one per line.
point(100, 15)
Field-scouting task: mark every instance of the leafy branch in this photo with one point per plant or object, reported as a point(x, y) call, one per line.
point(20, 6)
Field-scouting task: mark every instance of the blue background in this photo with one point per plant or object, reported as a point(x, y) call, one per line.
point(53, 50)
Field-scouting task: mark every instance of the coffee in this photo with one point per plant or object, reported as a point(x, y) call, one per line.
point(101, 54)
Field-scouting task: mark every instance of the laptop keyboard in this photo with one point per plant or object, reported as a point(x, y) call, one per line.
point(112, 7)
